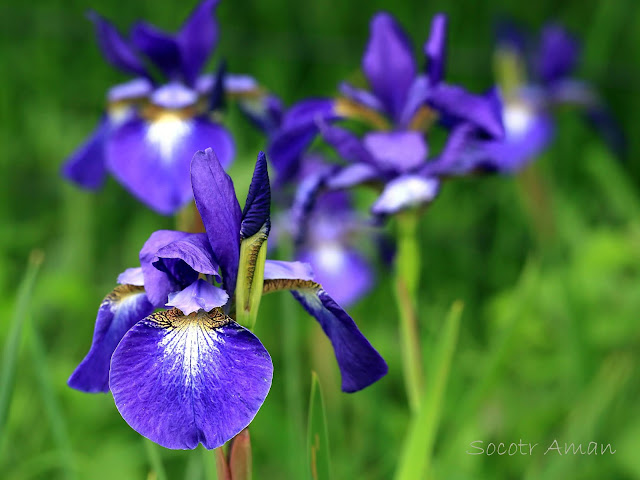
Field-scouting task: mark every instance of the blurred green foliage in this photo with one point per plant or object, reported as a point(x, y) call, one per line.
point(550, 336)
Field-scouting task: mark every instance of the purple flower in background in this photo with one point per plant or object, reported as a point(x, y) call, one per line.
point(400, 106)
point(150, 130)
point(535, 81)
point(191, 374)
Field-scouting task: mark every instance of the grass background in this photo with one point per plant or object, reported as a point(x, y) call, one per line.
point(550, 337)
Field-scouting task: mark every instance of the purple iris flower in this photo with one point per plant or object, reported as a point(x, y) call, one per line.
point(190, 374)
point(534, 82)
point(150, 130)
point(400, 106)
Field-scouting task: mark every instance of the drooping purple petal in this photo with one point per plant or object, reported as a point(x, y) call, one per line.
point(200, 295)
point(132, 90)
point(454, 158)
point(436, 49)
point(197, 39)
point(362, 97)
point(216, 201)
point(183, 380)
point(161, 48)
point(557, 54)
point(456, 104)
point(176, 275)
point(193, 249)
point(114, 48)
point(119, 311)
point(86, 166)
point(388, 63)
point(151, 159)
point(308, 113)
point(257, 208)
point(404, 192)
point(348, 146)
point(396, 151)
point(342, 271)
point(352, 175)
point(279, 269)
point(360, 364)
point(132, 276)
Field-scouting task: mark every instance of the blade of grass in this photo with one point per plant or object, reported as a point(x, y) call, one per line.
point(155, 460)
point(52, 408)
point(317, 434)
point(12, 345)
point(416, 454)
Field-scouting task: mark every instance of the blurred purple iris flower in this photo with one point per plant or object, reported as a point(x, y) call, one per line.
point(400, 106)
point(191, 374)
point(535, 81)
point(329, 236)
point(150, 130)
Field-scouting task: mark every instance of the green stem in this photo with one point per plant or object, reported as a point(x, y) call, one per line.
point(407, 276)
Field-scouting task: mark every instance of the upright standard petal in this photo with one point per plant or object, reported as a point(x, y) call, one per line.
point(182, 380)
point(193, 249)
point(197, 39)
point(557, 55)
point(360, 364)
point(216, 201)
point(388, 63)
point(119, 311)
point(114, 48)
point(258, 205)
point(132, 276)
point(161, 48)
point(200, 295)
point(436, 49)
point(151, 158)
point(86, 166)
point(396, 151)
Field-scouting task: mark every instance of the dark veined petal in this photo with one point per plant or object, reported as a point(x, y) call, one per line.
point(183, 380)
point(360, 364)
point(119, 311)
point(216, 200)
point(200, 295)
point(86, 166)
point(257, 208)
point(193, 249)
point(456, 104)
point(114, 48)
point(176, 274)
point(132, 276)
point(151, 159)
point(161, 48)
point(197, 39)
point(436, 49)
point(405, 192)
point(396, 151)
point(388, 63)
point(341, 270)
point(557, 55)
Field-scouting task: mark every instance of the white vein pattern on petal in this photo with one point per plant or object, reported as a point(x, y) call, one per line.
point(166, 132)
point(187, 343)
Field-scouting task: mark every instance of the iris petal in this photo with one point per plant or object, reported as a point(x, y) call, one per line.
point(119, 311)
point(197, 38)
point(86, 166)
point(258, 205)
point(405, 192)
point(183, 380)
point(200, 295)
point(161, 151)
point(388, 63)
point(396, 151)
point(436, 49)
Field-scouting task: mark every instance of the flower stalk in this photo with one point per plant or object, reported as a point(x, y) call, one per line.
point(406, 280)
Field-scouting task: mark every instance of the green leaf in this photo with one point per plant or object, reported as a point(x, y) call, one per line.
point(416, 455)
point(317, 436)
point(11, 348)
point(155, 460)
